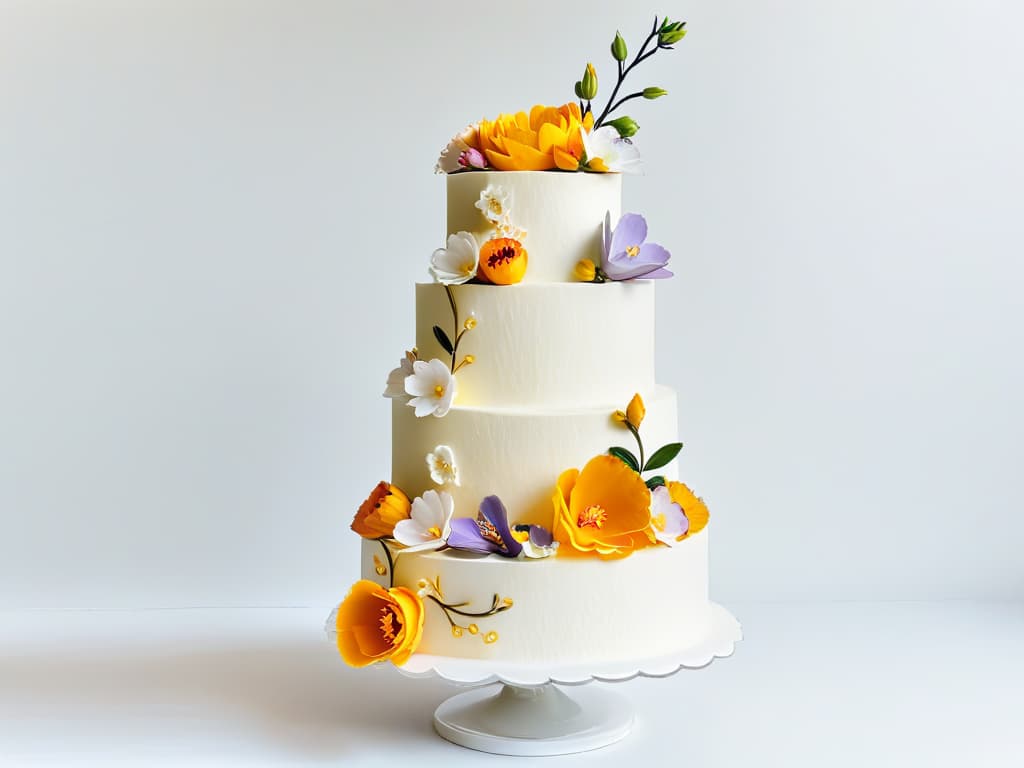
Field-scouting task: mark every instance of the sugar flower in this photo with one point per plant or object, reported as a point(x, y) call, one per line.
point(431, 387)
point(457, 263)
point(667, 518)
point(503, 261)
point(448, 162)
point(429, 524)
point(383, 509)
point(625, 254)
point(537, 541)
point(395, 387)
point(694, 508)
point(375, 624)
point(606, 151)
point(441, 464)
point(494, 203)
point(471, 158)
point(603, 510)
point(488, 533)
point(547, 138)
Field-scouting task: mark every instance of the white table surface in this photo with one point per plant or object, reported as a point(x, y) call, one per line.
point(812, 684)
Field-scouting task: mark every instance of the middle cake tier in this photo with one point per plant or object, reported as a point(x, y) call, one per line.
point(517, 453)
point(542, 344)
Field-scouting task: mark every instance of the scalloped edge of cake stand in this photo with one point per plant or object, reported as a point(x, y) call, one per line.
point(720, 642)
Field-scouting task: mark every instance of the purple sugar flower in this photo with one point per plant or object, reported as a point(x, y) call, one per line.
point(488, 533)
point(626, 256)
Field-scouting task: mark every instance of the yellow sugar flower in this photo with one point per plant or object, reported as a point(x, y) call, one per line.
point(603, 510)
point(694, 508)
point(636, 411)
point(376, 624)
point(547, 138)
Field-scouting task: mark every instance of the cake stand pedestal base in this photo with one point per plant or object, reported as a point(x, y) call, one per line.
point(534, 720)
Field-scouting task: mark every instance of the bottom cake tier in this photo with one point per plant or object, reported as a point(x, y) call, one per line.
point(558, 609)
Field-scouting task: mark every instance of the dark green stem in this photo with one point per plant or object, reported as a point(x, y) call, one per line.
point(455, 320)
point(639, 442)
point(494, 609)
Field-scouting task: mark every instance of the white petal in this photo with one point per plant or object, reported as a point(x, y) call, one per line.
point(426, 510)
point(424, 406)
point(407, 532)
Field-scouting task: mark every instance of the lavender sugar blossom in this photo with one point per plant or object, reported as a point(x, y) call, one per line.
point(488, 533)
point(625, 253)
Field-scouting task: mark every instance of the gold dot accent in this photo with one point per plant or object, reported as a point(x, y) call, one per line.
point(508, 601)
point(456, 631)
point(473, 629)
point(469, 360)
point(379, 567)
point(470, 323)
point(491, 637)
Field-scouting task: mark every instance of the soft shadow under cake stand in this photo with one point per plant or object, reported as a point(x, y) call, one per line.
point(522, 711)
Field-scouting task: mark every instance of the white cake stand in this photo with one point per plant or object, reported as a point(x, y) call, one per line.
point(521, 711)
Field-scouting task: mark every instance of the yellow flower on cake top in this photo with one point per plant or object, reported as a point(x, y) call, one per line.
point(376, 624)
point(383, 509)
point(603, 510)
point(547, 138)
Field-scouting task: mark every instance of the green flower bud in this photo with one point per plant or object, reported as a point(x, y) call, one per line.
point(654, 93)
point(619, 48)
point(626, 126)
point(588, 85)
point(672, 33)
point(578, 88)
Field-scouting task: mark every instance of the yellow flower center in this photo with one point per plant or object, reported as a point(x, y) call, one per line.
point(659, 522)
point(494, 206)
point(438, 391)
point(467, 268)
point(633, 251)
point(387, 624)
point(593, 516)
point(434, 531)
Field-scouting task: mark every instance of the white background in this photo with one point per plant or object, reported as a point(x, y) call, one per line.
point(211, 218)
point(212, 215)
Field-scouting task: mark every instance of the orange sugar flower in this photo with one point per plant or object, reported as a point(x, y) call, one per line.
point(603, 510)
point(503, 261)
point(547, 138)
point(383, 508)
point(695, 509)
point(376, 624)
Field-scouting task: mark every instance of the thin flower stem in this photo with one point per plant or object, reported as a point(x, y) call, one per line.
point(639, 442)
point(624, 99)
point(455, 327)
point(494, 609)
point(391, 562)
point(623, 72)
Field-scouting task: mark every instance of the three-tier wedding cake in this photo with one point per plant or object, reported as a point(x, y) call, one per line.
point(534, 513)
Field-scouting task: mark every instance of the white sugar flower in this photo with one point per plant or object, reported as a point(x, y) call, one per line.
point(431, 387)
point(667, 517)
point(495, 203)
point(429, 523)
point(448, 162)
point(457, 263)
point(441, 462)
point(607, 151)
point(395, 387)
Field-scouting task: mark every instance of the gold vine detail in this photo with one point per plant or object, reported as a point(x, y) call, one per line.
point(498, 604)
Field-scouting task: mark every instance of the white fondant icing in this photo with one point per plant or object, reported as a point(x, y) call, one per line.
point(518, 453)
point(652, 603)
point(543, 344)
point(562, 213)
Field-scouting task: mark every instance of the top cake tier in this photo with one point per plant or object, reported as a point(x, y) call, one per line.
point(562, 214)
